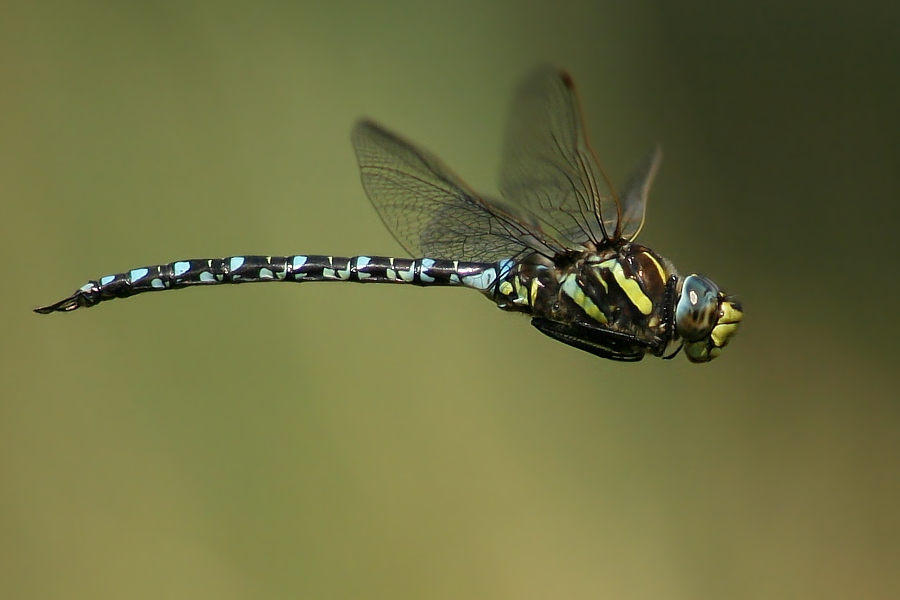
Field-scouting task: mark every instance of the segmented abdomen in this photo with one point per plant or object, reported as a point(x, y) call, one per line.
point(298, 268)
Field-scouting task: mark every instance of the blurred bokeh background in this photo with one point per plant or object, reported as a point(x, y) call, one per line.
point(341, 441)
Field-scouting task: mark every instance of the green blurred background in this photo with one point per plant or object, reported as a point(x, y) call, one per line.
point(377, 442)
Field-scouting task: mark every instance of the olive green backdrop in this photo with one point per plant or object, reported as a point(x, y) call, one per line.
point(340, 441)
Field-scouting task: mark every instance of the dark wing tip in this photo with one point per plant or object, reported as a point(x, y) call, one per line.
point(361, 126)
point(544, 74)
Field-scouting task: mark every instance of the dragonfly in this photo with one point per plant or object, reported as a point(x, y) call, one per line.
point(557, 245)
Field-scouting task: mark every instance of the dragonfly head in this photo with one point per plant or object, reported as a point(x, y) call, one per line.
point(705, 318)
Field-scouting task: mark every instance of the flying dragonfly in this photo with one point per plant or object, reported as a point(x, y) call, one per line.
point(559, 246)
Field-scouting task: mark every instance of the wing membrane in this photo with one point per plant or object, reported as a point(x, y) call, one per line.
point(429, 210)
point(634, 194)
point(550, 170)
point(556, 196)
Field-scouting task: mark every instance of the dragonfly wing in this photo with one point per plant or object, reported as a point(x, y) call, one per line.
point(549, 168)
point(634, 194)
point(428, 209)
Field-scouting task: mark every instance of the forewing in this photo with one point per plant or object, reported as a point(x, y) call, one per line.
point(430, 211)
point(548, 167)
point(634, 194)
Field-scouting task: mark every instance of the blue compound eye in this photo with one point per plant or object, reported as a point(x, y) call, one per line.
point(698, 308)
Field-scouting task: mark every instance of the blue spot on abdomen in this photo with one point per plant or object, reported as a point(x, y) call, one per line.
point(182, 267)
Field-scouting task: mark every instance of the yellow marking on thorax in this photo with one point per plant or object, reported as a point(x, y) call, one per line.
point(631, 287)
point(571, 288)
point(599, 275)
point(506, 288)
point(662, 272)
point(521, 292)
point(535, 286)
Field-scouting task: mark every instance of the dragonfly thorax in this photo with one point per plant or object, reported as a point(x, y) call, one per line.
point(623, 293)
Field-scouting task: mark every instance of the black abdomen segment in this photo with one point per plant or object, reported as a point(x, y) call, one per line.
point(299, 268)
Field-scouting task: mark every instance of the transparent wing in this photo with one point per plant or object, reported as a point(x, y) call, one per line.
point(430, 211)
point(550, 170)
point(634, 194)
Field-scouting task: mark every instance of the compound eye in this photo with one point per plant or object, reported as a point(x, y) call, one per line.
point(698, 308)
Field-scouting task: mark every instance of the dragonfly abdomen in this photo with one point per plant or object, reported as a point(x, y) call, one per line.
point(297, 268)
